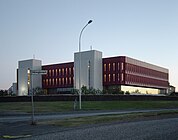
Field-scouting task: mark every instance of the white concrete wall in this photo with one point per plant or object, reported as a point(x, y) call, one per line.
point(36, 80)
point(95, 58)
point(98, 71)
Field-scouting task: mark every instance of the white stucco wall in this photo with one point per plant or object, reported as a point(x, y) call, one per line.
point(95, 76)
point(23, 67)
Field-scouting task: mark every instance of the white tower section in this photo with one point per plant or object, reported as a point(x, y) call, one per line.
point(23, 76)
point(91, 69)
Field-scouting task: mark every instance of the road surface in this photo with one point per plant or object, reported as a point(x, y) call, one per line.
point(19, 125)
point(164, 129)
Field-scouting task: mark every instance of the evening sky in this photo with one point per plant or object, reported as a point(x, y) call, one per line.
point(49, 30)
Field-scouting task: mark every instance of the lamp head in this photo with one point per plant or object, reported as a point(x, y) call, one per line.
point(90, 21)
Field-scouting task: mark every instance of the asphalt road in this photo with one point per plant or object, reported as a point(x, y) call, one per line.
point(164, 129)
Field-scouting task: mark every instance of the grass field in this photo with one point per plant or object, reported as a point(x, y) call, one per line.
point(61, 106)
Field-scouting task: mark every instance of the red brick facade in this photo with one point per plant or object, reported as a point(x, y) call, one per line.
point(119, 70)
point(59, 76)
point(116, 71)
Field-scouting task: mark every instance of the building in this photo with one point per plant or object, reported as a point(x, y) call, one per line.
point(127, 74)
point(131, 74)
point(91, 69)
point(14, 88)
point(65, 76)
point(59, 77)
point(25, 81)
point(171, 90)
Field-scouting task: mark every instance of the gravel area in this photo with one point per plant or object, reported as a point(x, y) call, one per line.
point(163, 129)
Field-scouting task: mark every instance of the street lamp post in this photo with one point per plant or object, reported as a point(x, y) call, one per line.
point(80, 99)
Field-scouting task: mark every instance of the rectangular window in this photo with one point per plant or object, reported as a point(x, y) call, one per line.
point(104, 67)
point(53, 72)
point(122, 77)
point(66, 81)
point(59, 71)
point(70, 80)
point(70, 71)
point(66, 71)
point(49, 72)
point(63, 81)
point(47, 82)
point(122, 66)
point(59, 81)
point(113, 77)
point(104, 77)
point(109, 77)
point(118, 77)
point(56, 72)
point(113, 66)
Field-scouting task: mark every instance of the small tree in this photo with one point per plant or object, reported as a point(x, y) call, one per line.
point(121, 92)
point(84, 90)
point(75, 91)
point(98, 92)
point(127, 93)
point(3, 93)
point(137, 91)
point(114, 90)
point(91, 90)
point(105, 91)
point(39, 91)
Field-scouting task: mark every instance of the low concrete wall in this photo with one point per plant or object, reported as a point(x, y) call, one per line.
point(88, 98)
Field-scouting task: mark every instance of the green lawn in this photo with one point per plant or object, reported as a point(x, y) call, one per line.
point(106, 118)
point(61, 106)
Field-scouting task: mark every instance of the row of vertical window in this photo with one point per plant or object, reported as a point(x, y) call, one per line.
point(113, 77)
point(145, 71)
point(144, 81)
point(113, 66)
point(58, 81)
point(61, 71)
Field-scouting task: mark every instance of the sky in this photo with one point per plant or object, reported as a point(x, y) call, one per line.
point(49, 30)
